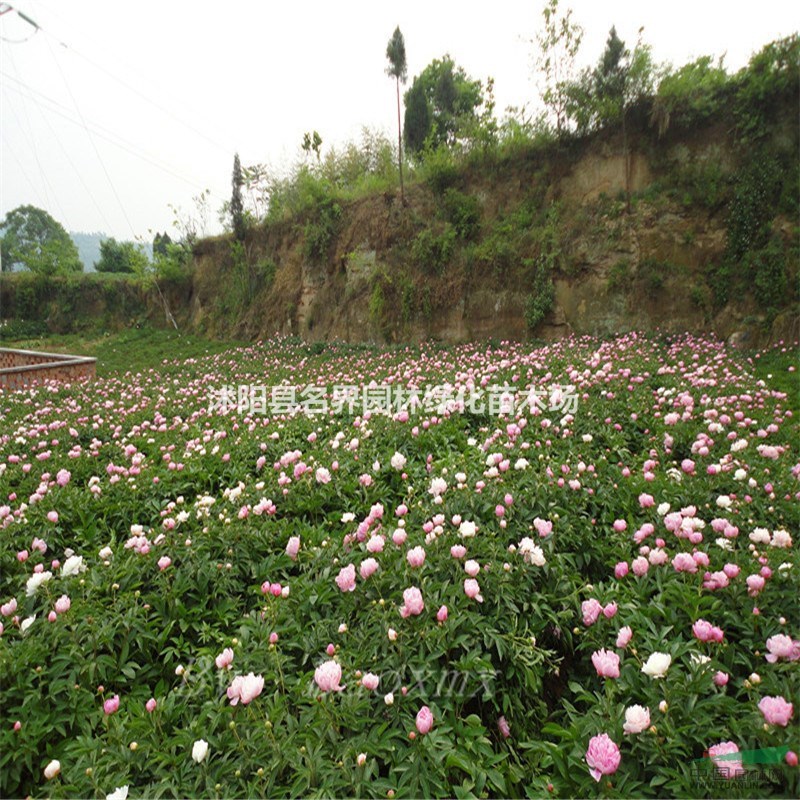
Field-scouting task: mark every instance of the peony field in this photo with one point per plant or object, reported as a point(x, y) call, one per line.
point(485, 570)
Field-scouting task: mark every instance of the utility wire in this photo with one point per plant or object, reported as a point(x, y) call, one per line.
point(69, 160)
point(99, 130)
point(91, 139)
point(7, 146)
point(165, 110)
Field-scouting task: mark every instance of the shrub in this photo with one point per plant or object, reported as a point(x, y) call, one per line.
point(462, 211)
point(432, 251)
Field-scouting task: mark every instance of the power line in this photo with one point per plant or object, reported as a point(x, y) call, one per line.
point(7, 146)
point(69, 160)
point(91, 139)
point(165, 110)
point(98, 129)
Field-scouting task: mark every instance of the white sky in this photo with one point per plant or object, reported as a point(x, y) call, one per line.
point(183, 85)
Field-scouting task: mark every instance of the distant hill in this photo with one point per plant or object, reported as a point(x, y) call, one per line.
point(88, 245)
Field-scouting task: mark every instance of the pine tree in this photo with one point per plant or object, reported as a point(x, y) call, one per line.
point(397, 69)
point(237, 206)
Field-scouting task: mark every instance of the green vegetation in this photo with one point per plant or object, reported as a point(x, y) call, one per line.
point(33, 240)
point(135, 350)
point(397, 69)
point(121, 257)
point(237, 205)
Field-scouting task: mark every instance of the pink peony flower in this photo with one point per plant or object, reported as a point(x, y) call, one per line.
point(472, 589)
point(602, 756)
point(683, 562)
point(721, 678)
point(624, 636)
point(724, 759)
point(458, 551)
point(755, 583)
point(706, 632)
point(621, 569)
point(293, 547)
point(441, 614)
point(368, 567)
point(224, 659)
point(424, 720)
point(150, 705)
point(370, 681)
point(416, 557)
point(610, 610)
point(503, 727)
point(781, 646)
point(63, 604)
point(640, 566)
point(776, 710)
point(606, 663)
point(472, 568)
point(346, 579)
point(111, 705)
point(245, 688)
point(591, 610)
point(8, 609)
point(637, 719)
point(164, 562)
point(412, 602)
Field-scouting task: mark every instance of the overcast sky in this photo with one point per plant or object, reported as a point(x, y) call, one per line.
point(114, 110)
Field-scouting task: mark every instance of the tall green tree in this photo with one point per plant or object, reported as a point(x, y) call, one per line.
point(558, 45)
point(121, 257)
point(397, 69)
point(161, 243)
point(33, 240)
point(452, 99)
point(237, 204)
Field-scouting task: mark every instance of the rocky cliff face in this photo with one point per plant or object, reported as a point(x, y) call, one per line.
point(632, 253)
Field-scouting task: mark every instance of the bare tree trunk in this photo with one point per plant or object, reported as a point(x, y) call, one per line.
point(400, 145)
point(626, 163)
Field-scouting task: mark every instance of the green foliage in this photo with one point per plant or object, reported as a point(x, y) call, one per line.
point(432, 251)
point(440, 170)
point(320, 229)
point(652, 273)
point(237, 204)
point(601, 97)
point(542, 294)
point(462, 211)
point(161, 243)
point(417, 118)
point(33, 240)
point(452, 99)
point(558, 45)
point(396, 56)
point(765, 268)
point(620, 274)
point(121, 257)
point(772, 73)
point(688, 95)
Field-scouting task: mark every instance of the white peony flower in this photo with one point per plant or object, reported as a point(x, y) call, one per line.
point(35, 581)
point(72, 566)
point(120, 793)
point(467, 529)
point(657, 665)
point(199, 750)
point(52, 769)
point(637, 719)
point(398, 461)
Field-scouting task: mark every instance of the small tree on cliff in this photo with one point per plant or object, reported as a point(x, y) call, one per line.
point(396, 53)
point(237, 206)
